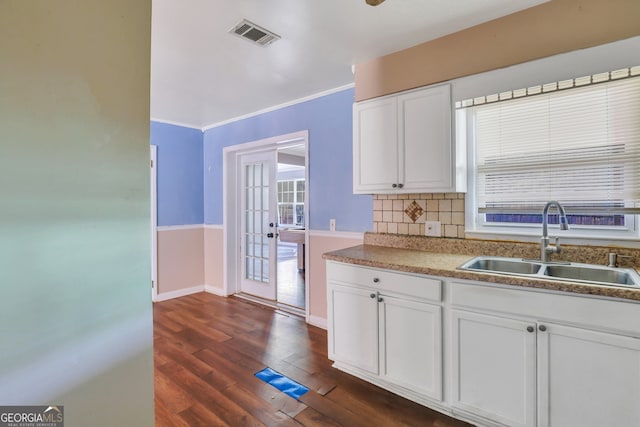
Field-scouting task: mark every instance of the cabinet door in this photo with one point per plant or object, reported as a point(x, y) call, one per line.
point(426, 150)
point(587, 378)
point(353, 327)
point(494, 368)
point(411, 345)
point(375, 146)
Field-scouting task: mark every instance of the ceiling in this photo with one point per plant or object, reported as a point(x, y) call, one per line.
point(201, 75)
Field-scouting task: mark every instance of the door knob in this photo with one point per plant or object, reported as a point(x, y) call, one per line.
point(270, 235)
point(530, 329)
point(542, 328)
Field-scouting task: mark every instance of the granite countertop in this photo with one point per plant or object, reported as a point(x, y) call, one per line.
point(445, 264)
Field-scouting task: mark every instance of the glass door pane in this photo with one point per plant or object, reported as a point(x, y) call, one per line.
point(259, 228)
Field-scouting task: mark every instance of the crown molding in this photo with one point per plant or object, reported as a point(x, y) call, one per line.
point(280, 106)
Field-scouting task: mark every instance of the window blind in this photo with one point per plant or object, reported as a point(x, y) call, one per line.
point(580, 146)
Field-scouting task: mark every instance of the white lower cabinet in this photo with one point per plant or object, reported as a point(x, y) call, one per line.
point(528, 373)
point(587, 378)
point(388, 337)
point(410, 345)
point(353, 320)
point(493, 355)
point(494, 368)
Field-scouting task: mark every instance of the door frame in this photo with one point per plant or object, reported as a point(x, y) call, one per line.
point(153, 184)
point(231, 170)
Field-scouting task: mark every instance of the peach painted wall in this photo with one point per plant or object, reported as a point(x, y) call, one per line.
point(191, 259)
point(214, 259)
point(319, 243)
point(180, 260)
point(548, 29)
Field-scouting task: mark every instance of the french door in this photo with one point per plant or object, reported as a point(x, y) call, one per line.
point(259, 226)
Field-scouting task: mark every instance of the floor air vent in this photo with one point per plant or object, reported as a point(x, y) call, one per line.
point(254, 33)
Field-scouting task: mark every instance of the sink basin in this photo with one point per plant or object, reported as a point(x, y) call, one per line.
point(571, 272)
point(587, 273)
point(502, 265)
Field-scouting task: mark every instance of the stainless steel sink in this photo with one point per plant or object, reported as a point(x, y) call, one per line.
point(588, 273)
point(572, 272)
point(502, 265)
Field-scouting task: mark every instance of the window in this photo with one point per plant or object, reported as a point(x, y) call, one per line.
point(291, 202)
point(576, 141)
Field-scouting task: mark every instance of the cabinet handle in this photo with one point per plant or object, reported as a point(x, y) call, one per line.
point(530, 329)
point(542, 328)
point(372, 295)
point(400, 185)
point(394, 185)
point(376, 280)
point(380, 299)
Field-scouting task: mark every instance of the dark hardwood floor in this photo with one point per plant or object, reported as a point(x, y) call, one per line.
point(208, 348)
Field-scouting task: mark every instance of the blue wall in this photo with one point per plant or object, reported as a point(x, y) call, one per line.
point(190, 164)
point(180, 174)
point(329, 122)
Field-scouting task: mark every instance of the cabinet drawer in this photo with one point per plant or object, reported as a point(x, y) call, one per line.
point(619, 316)
point(386, 281)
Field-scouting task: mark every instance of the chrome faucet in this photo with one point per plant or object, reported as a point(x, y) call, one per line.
point(545, 248)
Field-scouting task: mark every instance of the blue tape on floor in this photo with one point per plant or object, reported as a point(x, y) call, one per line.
point(282, 383)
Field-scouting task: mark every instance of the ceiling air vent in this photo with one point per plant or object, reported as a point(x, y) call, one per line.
point(254, 33)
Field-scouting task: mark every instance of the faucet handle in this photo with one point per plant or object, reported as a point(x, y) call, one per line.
point(614, 257)
point(557, 249)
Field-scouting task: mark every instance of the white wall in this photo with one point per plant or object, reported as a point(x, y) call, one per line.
point(75, 310)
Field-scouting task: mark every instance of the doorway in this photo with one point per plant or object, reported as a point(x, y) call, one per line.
point(291, 198)
point(265, 217)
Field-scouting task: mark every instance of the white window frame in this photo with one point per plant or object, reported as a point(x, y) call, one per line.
point(476, 227)
point(295, 202)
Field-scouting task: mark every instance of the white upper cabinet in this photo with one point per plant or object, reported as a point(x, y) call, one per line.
point(375, 145)
point(403, 143)
point(426, 153)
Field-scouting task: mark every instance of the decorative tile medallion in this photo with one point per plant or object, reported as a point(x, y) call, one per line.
point(414, 211)
point(406, 214)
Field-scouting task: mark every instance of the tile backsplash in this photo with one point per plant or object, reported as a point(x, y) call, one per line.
point(407, 213)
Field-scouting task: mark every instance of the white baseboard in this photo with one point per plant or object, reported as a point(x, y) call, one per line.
point(320, 322)
point(215, 290)
point(164, 296)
